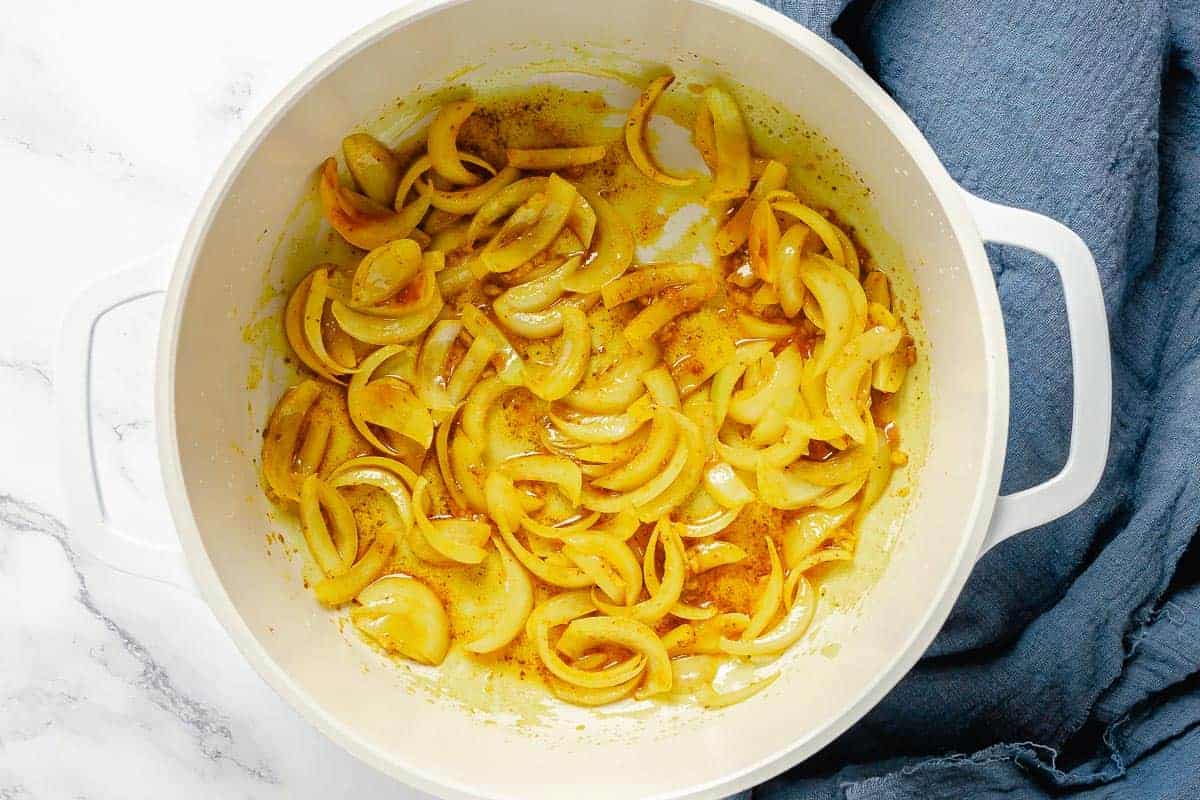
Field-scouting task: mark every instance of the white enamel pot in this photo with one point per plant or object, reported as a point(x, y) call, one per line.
point(213, 489)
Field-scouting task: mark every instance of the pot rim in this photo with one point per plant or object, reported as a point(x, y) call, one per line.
point(947, 194)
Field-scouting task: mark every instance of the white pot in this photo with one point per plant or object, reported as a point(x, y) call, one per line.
point(436, 746)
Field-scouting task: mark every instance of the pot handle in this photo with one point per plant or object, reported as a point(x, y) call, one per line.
point(1091, 366)
point(72, 404)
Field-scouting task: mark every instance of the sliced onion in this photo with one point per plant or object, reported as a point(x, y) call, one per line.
point(294, 328)
point(314, 315)
point(710, 526)
point(517, 603)
point(579, 696)
point(789, 630)
point(374, 167)
point(340, 589)
point(733, 234)
point(459, 540)
point(504, 507)
point(616, 389)
point(384, 271)
point(391, 404)
point(466, 462)
point(732, 143)
point(587, 633)
point(687, 480)
point(749, 406)
point(512, 368)
point(823, 228)
point(559, 470)
point(710, 698)
point(432, 367)
point(282, 435)
point(443, 142)
point(726, 487)
point(665, 595)
point(764, 242)
point(642, 467)
point(615, 553)
point(613, 251)
point(635, 134)
point(525, 309)
point(479, 406)
point(709, 555)
point(506, 252)
point(378, 329)
point(767, 605)
point(651, 279)
point(557, 380)
point(360, 220)
point(403, 615)
point(332, 553)
point(790, 286)
point(878, 477)
point(386, 474)
point(846, 374)
point(848, 465)
point(566, 608)
point(470, 200)
point(670, 304)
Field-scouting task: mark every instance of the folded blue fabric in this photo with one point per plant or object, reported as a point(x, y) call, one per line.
point(1069, 666)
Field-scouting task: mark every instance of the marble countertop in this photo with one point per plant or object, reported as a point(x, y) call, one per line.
point(113, 116)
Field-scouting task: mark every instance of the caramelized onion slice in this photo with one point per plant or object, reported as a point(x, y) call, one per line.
point(516, 604)
point(566, 608)
point(588, 633)
point(340, 589)
point(575, 348)
point(509, 250)
point(403, 615)
point(282, 435)
point(374, 167)
point(443, 142)
point(332, 551)
point(384, 271)
point(733, 234)
point(471, 199)
point(789, 630)
point(635, 134)
point(613, 246)
point(360, 220)
point(732, 143)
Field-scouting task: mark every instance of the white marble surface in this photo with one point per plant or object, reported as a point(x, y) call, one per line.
point(112, 118)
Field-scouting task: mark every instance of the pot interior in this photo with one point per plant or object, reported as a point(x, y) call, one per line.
point(499, 742)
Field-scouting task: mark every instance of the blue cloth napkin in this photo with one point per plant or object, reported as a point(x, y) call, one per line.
point(1069, 667)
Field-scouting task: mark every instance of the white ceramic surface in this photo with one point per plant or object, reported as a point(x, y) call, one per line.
point(213, 489)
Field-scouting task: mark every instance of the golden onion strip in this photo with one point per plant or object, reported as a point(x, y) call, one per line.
point(732, 144)
point(613, 246)
point(586, 633)
point(282, 435)
point(635, 134)
point(331, 551)
point(516, 605)
point(403, 614)
point(767, 605)
point(555, 381)
point(384, 271)
point(733, 234)
point(375, 168)
point(443, 142)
